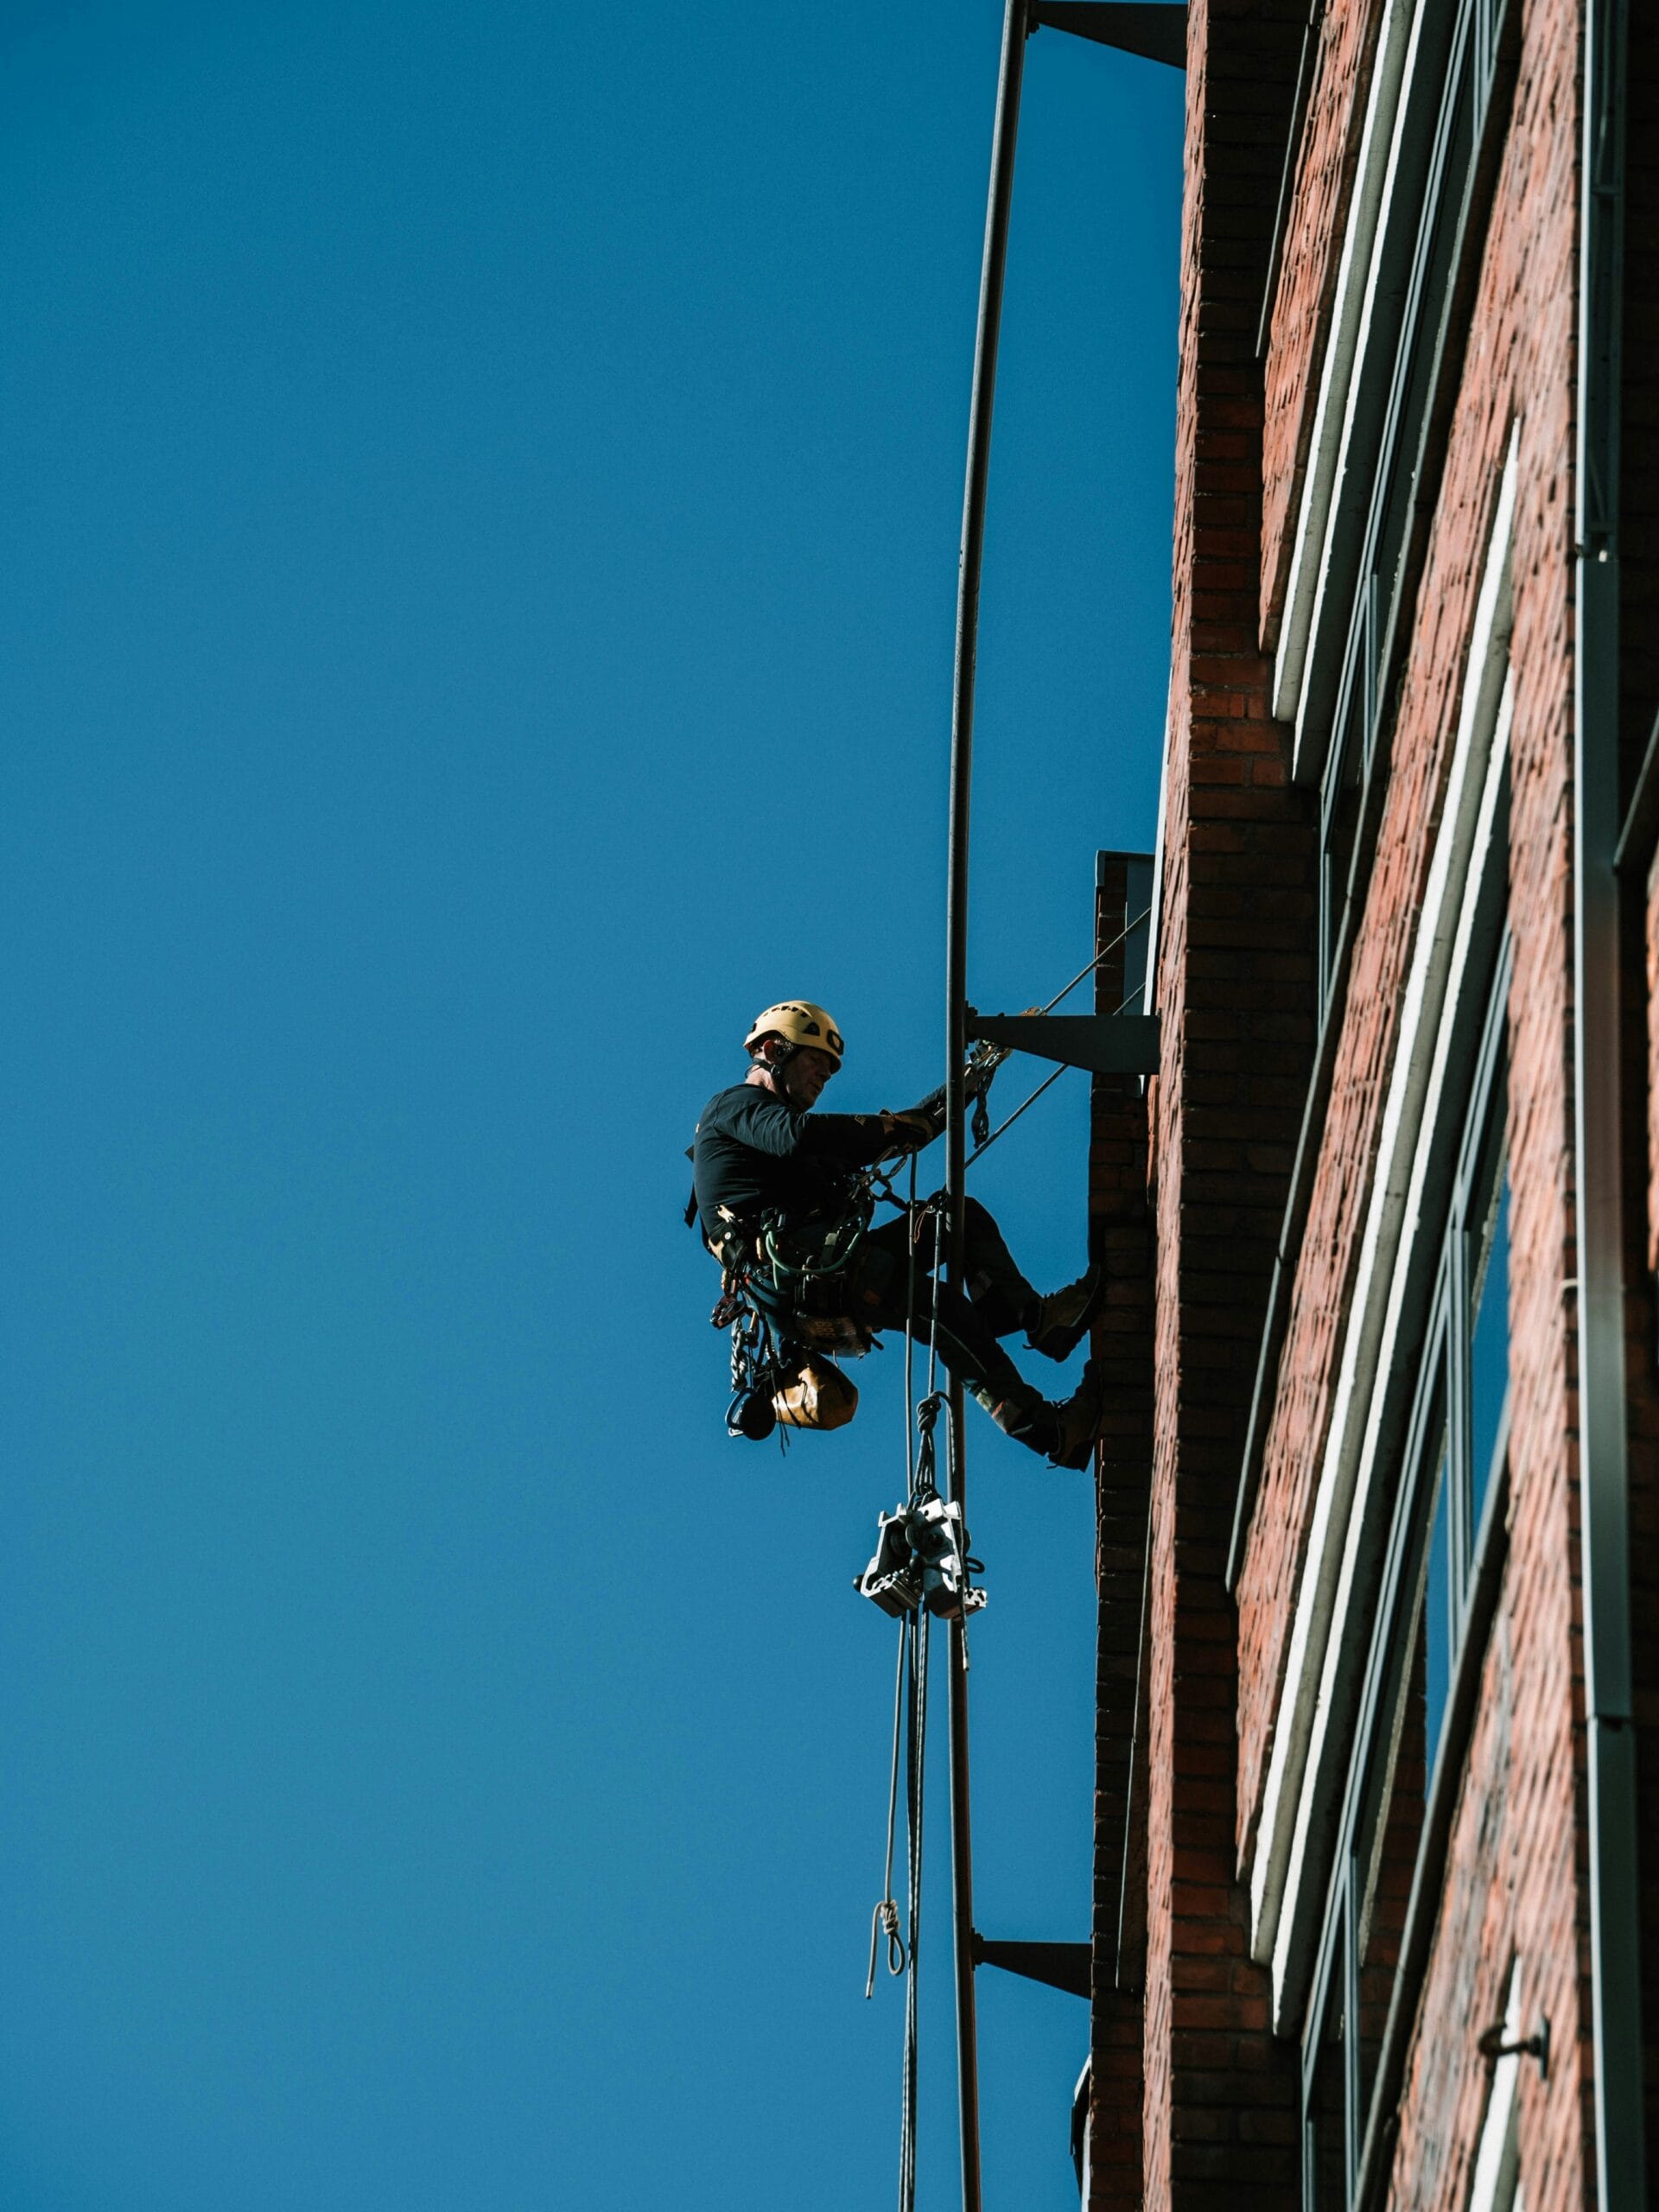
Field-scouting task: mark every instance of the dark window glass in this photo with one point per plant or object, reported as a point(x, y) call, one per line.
point(1341, 825)
point(1325, 2134)
point(1489, 1353)
point(1436, 1630)
point(1396, 1827)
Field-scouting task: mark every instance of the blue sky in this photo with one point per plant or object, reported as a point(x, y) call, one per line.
point(481, 498)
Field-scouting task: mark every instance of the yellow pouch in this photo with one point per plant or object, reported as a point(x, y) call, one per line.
point(820, 1396)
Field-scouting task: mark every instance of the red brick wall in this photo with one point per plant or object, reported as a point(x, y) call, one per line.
point(1514, 1881)
point(1234, 989)
point(1235, 998)
point(1307, 276)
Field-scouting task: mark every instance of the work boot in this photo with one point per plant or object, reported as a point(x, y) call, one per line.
point(1056, 1325)
point(1079, 1420)
point(1023, 1415)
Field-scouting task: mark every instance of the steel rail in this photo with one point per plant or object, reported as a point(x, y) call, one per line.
point(1015, 28)
point(1604, 1415)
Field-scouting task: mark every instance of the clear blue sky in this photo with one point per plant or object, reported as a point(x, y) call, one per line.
point(481, 507)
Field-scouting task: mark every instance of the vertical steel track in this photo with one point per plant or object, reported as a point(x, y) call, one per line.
point(1015, 27)
point(1615, 1876)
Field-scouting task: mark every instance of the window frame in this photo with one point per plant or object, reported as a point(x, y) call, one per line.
point(1438, 1434)
point(1351, 651)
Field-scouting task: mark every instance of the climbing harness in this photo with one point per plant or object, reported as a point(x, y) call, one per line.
point(783, 1285)
point(755, 1364)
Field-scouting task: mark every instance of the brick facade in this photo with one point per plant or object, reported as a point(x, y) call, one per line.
point(1235, 990)
point(1234, 983)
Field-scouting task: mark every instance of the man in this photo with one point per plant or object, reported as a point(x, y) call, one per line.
point(760, 1150)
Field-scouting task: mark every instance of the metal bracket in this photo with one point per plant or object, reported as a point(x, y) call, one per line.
point(1062, 1965)
point(1106, 1044)
point(1492, 2046)
point(1152, 29)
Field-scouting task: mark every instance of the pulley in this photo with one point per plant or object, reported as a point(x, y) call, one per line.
point(892, 1579)
point(940, 1543)
point(921, 1559)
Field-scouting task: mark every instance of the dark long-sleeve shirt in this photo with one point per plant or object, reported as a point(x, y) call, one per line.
point(753, 1153)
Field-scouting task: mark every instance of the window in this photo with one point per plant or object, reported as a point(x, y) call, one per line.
point(1455, 1440)
point(1349, 661)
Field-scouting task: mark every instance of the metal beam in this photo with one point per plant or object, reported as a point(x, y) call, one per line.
point(1062, 1965)
point(1152, 29)
point(1106, 1044)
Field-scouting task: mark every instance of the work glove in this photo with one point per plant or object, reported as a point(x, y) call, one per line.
point(907, 1133)
point(985, 1059)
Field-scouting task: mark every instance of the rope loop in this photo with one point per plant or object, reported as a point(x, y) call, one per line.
point(884, 1921)
point(927, 1415)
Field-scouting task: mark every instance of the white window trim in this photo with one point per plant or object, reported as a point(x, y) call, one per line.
point(1497, 2183)
point(1352, 312)
point(1319, 1664)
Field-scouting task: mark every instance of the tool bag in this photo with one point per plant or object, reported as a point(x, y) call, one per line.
point(816, 1395)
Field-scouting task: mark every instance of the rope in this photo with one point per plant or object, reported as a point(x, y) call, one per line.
point(927, 1415)
point(910, 1710)
point(885, 1918)
point(910, 1722)
point(926, 1429)
point(986, 1143)
point(912, 1225)
point(1127, 930)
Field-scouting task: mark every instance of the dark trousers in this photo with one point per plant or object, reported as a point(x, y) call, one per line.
point(964, 1329)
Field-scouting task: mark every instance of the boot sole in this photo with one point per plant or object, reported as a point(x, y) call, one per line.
point(1060, 1343)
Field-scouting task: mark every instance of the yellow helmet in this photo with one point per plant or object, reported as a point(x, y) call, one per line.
point(797, 1021)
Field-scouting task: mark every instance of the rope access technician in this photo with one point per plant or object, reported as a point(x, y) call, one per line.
point(776, 1192)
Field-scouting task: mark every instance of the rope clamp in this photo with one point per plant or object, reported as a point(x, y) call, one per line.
point(922, 1558)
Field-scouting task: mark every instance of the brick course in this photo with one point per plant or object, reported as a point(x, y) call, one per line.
point(1235, 979)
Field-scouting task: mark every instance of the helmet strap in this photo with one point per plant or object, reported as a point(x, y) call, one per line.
point(776, 1060)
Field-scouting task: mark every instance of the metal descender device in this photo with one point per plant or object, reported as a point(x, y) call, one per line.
point(922, 1559)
